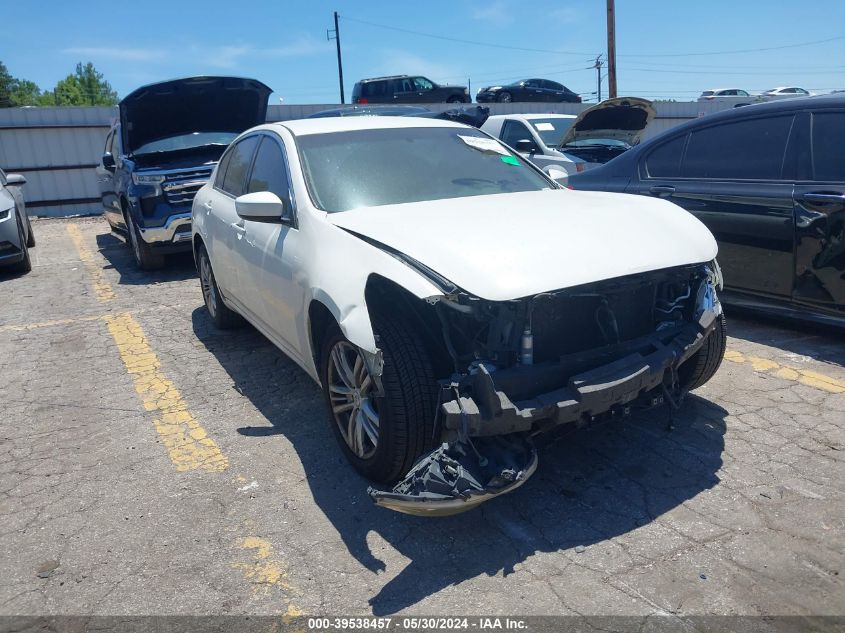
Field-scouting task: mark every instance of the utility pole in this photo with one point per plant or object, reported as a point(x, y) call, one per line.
point(611, 49)
point(599, 65)
point(336, 38)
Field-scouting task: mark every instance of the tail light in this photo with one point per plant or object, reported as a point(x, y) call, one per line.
point(363, 100)
point(577, 99)
point(579, 167)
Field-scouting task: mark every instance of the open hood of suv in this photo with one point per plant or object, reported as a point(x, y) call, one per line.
point(620, 119)
point(193, 104)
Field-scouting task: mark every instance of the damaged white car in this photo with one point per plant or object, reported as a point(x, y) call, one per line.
point(450, 299)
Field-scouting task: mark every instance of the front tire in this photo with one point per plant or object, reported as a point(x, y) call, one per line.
point(25, 264)
point(504, 97)
point(381, 436)
point(222, 317)
point(702, 365)
point(30, 239)
point(145, 257)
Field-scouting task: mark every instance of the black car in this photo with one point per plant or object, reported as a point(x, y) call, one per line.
point(169, 137)
point(528, 90)
point(407, 89)
point(769, 181)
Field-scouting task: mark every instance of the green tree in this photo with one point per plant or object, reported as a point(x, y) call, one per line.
point(26, 93)
point(6, 82)
point(96, 91)
point(68, 92)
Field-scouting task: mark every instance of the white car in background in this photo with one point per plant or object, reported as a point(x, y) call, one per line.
point(784, 92)
point(450, 299)
point(536, 137)
point(736, 96)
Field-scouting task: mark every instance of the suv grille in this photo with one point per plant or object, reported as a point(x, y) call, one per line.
point(180, 188)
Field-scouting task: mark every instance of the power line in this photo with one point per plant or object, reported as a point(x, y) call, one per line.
point(543, 50)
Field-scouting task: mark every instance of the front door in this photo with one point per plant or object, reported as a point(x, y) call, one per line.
point(106, 182)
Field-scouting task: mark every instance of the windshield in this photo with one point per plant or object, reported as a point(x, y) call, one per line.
point(364, 168)
point(552, 130)
point(186, 141)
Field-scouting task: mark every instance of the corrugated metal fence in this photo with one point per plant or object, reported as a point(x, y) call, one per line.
point(57, 149)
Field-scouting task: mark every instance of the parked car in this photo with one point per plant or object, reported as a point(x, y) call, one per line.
point(528, 90)
point(736, 96)
point(785, 92)
point(16, 236)
point(407, 89)
point(769, 182)
point(537, 138)
point(607, 129)
point(404, 264)
point(163, 149)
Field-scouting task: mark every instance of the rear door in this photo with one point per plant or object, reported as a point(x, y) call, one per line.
point(820, 210)
point(730, 176)
point(225, 228)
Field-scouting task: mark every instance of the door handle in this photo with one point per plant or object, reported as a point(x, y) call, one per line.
point(662, 190)
point(207, 204)
point(239, 226)
point(823, 197)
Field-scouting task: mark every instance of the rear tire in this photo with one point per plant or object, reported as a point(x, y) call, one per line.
point(145, 257)
point(222, 317)
point(454, 100)
point(701, 367)
point(406, 411)
point(25, 264)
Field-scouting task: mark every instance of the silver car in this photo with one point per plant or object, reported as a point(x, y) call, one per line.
point(16, 235)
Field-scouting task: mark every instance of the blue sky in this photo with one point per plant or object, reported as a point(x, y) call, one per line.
point(284, 43)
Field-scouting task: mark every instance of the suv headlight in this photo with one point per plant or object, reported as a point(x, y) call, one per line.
point(147, 179)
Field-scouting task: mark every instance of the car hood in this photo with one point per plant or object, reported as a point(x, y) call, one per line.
point(194, 104)
point(507, 246)
point(620, 119)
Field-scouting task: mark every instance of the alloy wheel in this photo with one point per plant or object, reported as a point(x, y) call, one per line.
point(352, 397)
point(133, 239)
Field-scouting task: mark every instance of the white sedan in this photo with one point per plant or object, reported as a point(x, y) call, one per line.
point(450, 298)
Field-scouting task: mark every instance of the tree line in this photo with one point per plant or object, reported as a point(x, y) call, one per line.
point(84, 87)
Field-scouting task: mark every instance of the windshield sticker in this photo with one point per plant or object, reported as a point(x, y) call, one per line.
point(544, 127)
point(510, 160)
point(484, 144)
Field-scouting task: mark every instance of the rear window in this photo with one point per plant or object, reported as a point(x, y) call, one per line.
point(707, 93)
point(828, 141)
point(749, 150)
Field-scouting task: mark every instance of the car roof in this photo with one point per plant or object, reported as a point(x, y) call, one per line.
point(362, 81)
point(531, 116)
point(303, 127)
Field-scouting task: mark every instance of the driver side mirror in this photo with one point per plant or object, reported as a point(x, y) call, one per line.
point(262, 206)
point(526, 146)
point(108, 161)
point(15, 179)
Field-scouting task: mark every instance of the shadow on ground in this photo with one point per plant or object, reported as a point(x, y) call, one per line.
point(178, 267)
point(592, 484)
point(824, 343)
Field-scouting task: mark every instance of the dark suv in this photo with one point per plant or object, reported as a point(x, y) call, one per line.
point(769, 181)
point(407, 89)
point(169, 137)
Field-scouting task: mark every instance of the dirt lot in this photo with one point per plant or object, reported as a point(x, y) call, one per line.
point(153, 465)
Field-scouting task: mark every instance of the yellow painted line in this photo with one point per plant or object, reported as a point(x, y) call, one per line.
point(798, 374)
point(264, 571)
point(102, 288)
point(187, 443)
point(56, 323)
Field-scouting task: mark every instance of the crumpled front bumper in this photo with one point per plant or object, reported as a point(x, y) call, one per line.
point(489, 452)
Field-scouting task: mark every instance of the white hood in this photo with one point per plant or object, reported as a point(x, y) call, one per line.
point(507, 246)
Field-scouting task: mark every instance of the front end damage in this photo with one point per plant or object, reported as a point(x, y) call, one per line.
point(527, 366)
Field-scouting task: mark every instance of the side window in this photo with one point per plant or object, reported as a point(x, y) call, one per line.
point(532, 83)
point(514, 131)
point(238, 166)
point(114, 143)
point(828, 139)
point(373, 88)
point(665, 161)
point(422, 83)
point(750, 150)
point(551, 85)
point(107, 146)
point(221, 169)
point(742, 93)
point(404, 85)
point(269, 172)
